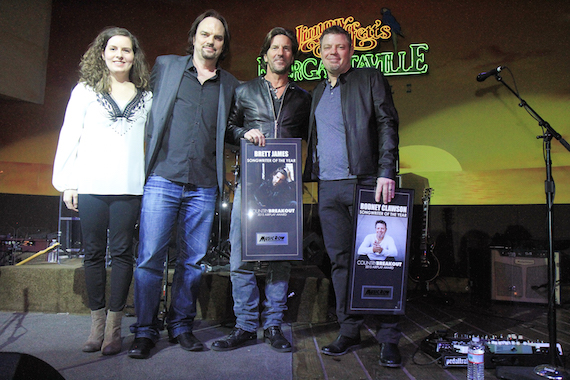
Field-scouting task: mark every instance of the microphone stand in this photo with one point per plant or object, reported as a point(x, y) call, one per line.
point(551, 370)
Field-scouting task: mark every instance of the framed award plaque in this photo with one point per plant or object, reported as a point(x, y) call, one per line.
point(272, 200)
point(379, 265)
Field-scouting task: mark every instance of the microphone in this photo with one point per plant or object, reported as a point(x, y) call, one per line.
point(481, 77)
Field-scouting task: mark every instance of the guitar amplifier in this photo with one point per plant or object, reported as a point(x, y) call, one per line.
point(521, 275)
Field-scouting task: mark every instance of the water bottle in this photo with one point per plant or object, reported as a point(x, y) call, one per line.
point(476, 360)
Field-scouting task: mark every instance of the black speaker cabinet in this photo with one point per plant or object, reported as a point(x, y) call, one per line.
point(69, 230)
point(521, 275)
point(70, 234)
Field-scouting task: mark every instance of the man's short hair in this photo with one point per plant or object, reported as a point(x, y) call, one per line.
point(380, 221)
point(194, 29)
point(335, 29)
point(276, 32)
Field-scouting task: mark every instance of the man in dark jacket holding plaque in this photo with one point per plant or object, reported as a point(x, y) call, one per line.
point(270, 106)
point(354, 118)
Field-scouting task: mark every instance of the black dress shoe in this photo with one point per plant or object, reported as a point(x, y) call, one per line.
point(390, 355)
point(187, 341)
point(274, 336)
point(237, 338)
point(140, 349)
point(341, 346)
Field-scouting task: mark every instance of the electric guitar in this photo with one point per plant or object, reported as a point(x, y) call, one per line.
point(424, 266)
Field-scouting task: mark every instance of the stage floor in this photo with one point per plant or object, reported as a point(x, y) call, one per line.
point(57, 339)
point(423, 317)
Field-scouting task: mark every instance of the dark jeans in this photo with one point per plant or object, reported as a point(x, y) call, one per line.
point(164, 205)
point(335, 212)
point(118, 213)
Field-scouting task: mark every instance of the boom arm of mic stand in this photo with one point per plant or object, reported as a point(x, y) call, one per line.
point(541, 121)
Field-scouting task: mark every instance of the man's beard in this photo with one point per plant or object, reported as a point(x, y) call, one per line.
point(274, 70)
point(209, 55)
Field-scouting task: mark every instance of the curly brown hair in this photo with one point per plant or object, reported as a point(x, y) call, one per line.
point(94, 72)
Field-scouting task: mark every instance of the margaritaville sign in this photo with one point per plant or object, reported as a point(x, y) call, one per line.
point(364, 39)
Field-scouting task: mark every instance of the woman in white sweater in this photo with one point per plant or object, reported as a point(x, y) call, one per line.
point(99, 167)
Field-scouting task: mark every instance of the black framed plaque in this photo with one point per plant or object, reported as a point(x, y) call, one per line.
point(272, 203)
point(381, 245)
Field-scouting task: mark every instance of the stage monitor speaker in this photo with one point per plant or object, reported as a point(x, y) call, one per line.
point(16, 366)
point(521, 275)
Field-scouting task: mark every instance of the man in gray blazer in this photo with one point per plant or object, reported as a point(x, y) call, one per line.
point(184, 172)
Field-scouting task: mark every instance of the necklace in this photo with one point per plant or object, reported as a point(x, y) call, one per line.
point(274, 89)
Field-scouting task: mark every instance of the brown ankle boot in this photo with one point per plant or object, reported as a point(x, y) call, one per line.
point(113, 342)
point(95, 339)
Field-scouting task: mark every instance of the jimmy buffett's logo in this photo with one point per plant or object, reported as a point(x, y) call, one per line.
point(364, 39)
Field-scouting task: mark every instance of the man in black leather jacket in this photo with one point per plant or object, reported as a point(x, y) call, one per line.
point(269, 106)
point(354, 118)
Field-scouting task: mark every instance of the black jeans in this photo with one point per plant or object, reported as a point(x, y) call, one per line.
point(119, 214)
point(336, 214)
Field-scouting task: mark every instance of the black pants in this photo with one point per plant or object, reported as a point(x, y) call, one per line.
point(119, 214)
point(336, 214)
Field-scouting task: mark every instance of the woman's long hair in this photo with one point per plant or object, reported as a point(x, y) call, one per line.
point(93, 69)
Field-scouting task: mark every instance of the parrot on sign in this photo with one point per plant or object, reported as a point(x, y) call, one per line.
point(390, 20)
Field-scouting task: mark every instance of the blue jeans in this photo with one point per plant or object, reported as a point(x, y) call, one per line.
point(244, 284)
point(164, 205)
